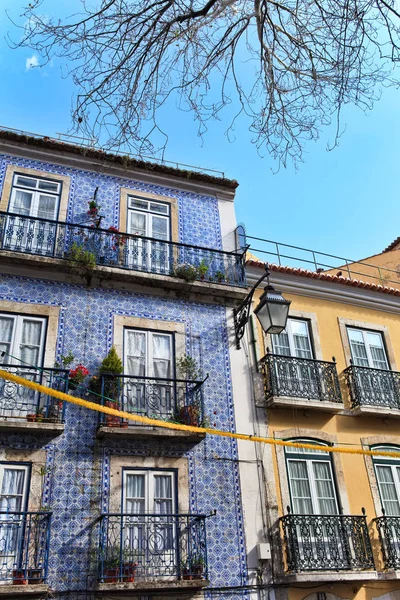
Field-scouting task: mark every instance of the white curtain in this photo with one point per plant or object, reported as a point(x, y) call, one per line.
point(135, 494)
point(136, 353)
point(300, 487)
point(22, 202)
point(281, 343)
point(138, 223)
point(162, 356)
point(324, 488)
point(162, 494)
point(30, 342)
point(12, 488)
point(387, 488)
point(6, 330)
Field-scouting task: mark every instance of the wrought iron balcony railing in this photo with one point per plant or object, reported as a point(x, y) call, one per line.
point(165, 399)
point(24, 545)
point(300, 378)
point(326, 542)
point(146, 546)
point(389, 535)
point(373, 387)
point(18, 402)
point(323, 543)
point(31, 235)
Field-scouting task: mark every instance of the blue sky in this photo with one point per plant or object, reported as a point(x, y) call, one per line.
point(342, 202)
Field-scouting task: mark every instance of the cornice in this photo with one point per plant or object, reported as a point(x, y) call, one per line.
point(106, 167)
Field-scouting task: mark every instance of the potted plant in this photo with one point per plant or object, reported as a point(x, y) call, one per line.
point(31, 417)
point(188, 368)
point(77, 376)
point(19, 577)
point(78, 256)
point(35, 576)
point(189, 415)
point(193, 568)
point(93, 209)
point(110, 368)
point(220, 276)
point(203, 269)
point(186, 271)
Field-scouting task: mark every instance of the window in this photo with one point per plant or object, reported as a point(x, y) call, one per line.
point(22, 340)
point(148, 219)
point(149, 365)
point(387, 472)
point(311, 483)
point(35, 197)
point(294, 340)
point(149, 504)
point(367, 348)
point(13, 501)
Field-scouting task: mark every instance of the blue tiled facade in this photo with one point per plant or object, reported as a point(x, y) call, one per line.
point(77, 483)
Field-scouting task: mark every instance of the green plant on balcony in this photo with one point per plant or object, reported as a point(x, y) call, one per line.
point(186, 271)
point(188, 368)
point(111, 365)
point(202, 269)
point(78, 256)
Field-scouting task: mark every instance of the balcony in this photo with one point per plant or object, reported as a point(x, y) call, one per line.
point(146, 552)
point(290, 381)
point(24, 543)
point(133, 254)
point(373, 391)
point(317, 543)
point(25, 410)
point(175, 400)
point(389, 536)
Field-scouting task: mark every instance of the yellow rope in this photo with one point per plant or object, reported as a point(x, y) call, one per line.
point(179, 427)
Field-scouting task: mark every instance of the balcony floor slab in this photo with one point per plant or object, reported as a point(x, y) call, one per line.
point(20, 591)
point(328, 576)
point(304, 404)
point(144, 432)
point(21, 426)
point(375, 411)
point(185, 587)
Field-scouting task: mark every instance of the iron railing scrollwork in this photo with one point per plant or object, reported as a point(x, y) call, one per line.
point(44, 237)
point(152, 546)
point(158, 398)
point(18, 402)
point(24, 546)
point(374, 387)
point(326, 542)
point(389, 536)
point(300, 378)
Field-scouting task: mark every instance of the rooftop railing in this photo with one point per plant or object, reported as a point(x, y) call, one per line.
point(326, 542)
point(158, 398)
point(54, 239)
point(373, 387)
point(300, 378)
point(24, 546)
point(143, 546)
point(20, 403)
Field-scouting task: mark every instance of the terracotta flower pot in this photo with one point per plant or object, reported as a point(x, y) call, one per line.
point(111, 575)
point(128, 572)
point(19, 577)
point(31, 418)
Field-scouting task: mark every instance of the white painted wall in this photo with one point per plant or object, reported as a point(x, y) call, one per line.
point(228, 224)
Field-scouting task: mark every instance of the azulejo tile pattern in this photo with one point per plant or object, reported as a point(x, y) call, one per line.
point(198, 215)
point(77, 482)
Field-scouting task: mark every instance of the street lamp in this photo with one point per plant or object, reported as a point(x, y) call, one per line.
point(272, 310)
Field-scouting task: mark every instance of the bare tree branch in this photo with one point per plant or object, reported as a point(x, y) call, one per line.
point(288, 66)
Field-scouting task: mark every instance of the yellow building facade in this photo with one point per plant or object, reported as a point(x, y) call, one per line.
point(331, 378)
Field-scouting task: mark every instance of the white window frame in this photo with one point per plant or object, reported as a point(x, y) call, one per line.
point(382, 461)
point(148, 213)
point(367, 346)
point(36, 191)
point(149, 475)
point(149, 359)
point(309, 461)
point(16, 336)
point(17, 467)
point(288, 330)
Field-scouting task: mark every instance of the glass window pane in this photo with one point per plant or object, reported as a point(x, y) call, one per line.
point(162, 356)
point(22, 203)
point(355, 335)
point(159, 228)
point(136, 203)
point(48, 186)
point(160, 208)
point(300, 487)
point(387, 488)
point(47, 207)
point(135, 344)
point(137, 223)
point(280, 343)
point(26, 181)
point(324, 488)
point(374, 339)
